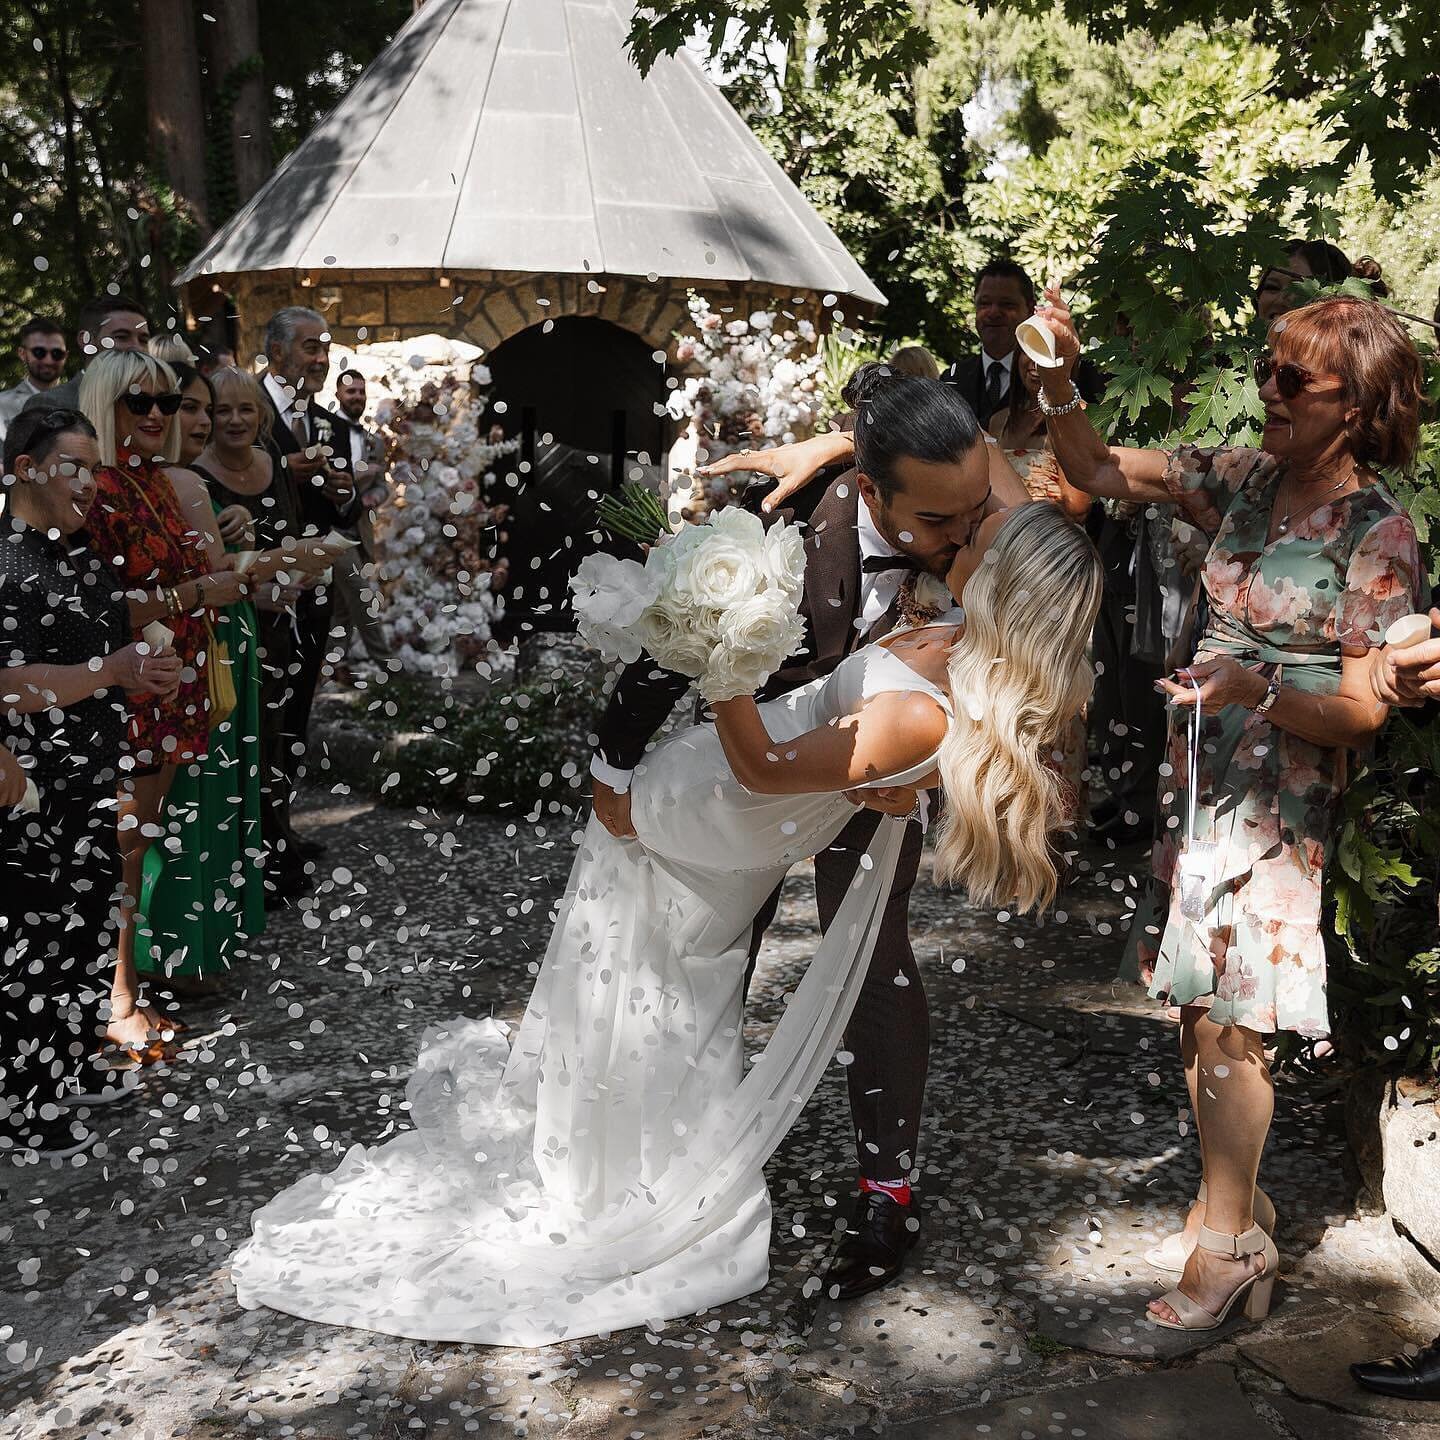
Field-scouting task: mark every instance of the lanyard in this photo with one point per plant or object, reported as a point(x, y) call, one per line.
point(1194, 768)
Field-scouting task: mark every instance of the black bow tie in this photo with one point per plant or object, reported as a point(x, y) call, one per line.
point(877, 564)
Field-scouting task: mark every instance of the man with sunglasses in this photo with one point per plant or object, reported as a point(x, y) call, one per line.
point(42, 352)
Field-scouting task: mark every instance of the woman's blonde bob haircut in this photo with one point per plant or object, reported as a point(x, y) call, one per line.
point(106, 379)
point(229, 381)
point(1018, 674)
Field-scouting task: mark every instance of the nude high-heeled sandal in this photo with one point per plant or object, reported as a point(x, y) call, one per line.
point(1174, 1250)
point(1255, 1290)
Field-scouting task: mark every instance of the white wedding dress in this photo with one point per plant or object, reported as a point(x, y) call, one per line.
point(601, 1166)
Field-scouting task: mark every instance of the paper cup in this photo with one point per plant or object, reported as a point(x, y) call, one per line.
point(30, 802)
point(1038, 343)
point(338, 541)
point(1408, 630)
point(244, 559)
point(157, 636)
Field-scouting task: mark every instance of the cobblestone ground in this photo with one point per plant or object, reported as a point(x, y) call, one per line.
point(1055, 1152)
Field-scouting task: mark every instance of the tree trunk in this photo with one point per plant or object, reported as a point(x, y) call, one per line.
point(238, 73)
point(172, 94)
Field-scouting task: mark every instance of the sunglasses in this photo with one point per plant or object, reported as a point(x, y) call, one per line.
point(142, 404)
point(41, 351)
point(1290, 379)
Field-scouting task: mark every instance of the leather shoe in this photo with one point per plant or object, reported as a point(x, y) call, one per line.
point(880, 1234)
point(1406, 1377)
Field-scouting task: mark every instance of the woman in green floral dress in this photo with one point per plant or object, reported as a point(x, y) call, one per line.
point(202, 892)
point(1310, 561)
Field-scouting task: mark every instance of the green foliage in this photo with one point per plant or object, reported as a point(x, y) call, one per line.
point(843, 352)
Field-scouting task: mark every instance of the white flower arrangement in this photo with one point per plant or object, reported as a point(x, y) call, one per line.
point(441, 589)
point(759, 384)
point(718, 602)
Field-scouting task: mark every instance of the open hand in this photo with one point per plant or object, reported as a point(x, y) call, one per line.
point(223, 587)
point(1222, 681)
point(792, 466)
point(1053, 312)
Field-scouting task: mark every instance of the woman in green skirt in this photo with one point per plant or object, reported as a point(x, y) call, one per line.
point(202, 896)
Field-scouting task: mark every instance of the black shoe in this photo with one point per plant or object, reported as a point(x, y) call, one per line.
point(283, 886)
point(880, 1234)
point(1406, 1377)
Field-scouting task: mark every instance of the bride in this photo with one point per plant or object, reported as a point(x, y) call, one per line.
point(602, 1165)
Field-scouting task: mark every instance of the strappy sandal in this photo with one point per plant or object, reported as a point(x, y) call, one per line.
point(1174, 1250)
point(1255, 1290)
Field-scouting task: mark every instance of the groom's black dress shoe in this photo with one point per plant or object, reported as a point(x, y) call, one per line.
point(1406, 1377)
point(880, 1234)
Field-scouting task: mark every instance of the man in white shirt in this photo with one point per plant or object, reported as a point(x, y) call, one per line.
point(42, 351)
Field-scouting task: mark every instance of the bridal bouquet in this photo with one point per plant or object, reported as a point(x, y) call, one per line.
point(718, 602)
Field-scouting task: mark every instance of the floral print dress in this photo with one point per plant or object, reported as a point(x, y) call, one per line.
point(137, 526)
point(1266, 799)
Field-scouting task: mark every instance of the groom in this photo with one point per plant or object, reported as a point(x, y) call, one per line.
point(862, 538)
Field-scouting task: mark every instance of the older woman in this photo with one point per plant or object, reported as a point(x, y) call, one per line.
point(1310, 560)
point(69, 665)
point(140, 525)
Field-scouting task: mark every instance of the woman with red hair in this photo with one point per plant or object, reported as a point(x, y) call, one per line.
point(1310, 560)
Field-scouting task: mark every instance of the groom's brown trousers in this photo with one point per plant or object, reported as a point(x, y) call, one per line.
point(889, 1030)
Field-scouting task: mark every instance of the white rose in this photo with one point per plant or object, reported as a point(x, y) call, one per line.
point(755, 637)
point(784, 559)
point(719, 569)
point(672, 643)
point(610, 596)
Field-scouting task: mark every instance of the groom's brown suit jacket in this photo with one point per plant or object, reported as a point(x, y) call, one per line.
point(645, 695)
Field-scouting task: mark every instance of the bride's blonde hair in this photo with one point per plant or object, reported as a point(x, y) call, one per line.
point(1018, 674)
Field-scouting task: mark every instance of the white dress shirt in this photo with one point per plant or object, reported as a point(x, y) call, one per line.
point(879, 588)
point(288, 403)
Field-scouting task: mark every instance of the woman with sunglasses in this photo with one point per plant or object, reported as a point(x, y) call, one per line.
point(139, 524)
point(1310, 560)
point(202, 892)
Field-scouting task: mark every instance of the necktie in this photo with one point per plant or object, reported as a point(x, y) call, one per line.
point(994, 388)
point(878, 564)
point(299, 429)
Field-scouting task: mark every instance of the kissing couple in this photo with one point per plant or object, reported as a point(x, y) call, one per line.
point(601, 1165)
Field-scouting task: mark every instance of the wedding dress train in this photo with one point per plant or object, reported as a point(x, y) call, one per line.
point(602, 1165)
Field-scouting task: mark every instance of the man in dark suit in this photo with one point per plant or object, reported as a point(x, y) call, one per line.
point(1004, 296)
point(310, 449)
point(861, 539)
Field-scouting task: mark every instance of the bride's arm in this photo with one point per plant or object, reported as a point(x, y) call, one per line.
point(892, 733)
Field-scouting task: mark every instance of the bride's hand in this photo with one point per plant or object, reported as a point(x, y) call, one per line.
point(792, 466)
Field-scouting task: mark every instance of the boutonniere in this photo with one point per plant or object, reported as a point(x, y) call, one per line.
point(323, 428)
point(923, 598)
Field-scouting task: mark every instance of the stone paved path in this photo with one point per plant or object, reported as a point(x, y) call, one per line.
point(1055, 1152)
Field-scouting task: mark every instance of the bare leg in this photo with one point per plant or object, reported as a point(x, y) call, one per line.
point(1234, 1103)
point(141, 805)
point(1190, 1059)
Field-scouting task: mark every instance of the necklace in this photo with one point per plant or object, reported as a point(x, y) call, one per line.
point(1283, 527)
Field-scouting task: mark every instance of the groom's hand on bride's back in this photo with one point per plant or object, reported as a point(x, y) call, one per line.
point(887, 799)
point(612, 809)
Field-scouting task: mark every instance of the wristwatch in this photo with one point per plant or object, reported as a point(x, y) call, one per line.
point(1271, 691)
point(1075, 401)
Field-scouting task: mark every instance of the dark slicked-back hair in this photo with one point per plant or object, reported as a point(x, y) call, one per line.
point(1002, 269)
point(37, 430)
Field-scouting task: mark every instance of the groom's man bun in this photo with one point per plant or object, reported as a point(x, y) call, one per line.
point(904, 415)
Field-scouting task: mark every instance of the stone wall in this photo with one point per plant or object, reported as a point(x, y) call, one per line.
point(489, 307)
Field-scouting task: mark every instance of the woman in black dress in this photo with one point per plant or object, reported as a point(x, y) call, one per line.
point(65, 659)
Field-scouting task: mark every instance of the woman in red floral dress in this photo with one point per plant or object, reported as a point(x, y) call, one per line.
point(159, 549)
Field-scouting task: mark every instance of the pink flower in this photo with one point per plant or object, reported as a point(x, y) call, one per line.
point(1284, 606)
point(1223, 577)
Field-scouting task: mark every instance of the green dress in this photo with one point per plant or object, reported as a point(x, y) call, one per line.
point(1267, 800)
point(202, 893)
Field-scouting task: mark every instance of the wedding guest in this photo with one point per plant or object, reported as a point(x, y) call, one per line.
point(1004, 296)
point(202, 888)
point(172, 348)
point(914, 360)
point(1275, 295)
point(42, 351)
point(69, 664)
point(1403, 1376)
point(108, 323)
point(139, 524)
point(319, 497)
point(357, 596)
point(1409, 676)
point(1310, 560)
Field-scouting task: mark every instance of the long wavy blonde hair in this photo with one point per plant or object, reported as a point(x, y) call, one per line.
point(1018, 674)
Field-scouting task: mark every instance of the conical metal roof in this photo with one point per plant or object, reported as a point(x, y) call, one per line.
point(517, 135)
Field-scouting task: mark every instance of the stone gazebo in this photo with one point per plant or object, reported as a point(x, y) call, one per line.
point(503, 165)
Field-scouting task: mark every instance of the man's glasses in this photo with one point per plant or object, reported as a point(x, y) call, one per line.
point(1290, 379)
point(41, 351)
point(141, 404)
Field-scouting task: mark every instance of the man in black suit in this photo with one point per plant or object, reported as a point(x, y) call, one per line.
point(861, 538)
point(1004, 296)
point(310, 449)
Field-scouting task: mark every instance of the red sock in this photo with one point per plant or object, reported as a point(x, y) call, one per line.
point(898, 1190)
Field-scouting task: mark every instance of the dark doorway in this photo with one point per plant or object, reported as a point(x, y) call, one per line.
point(582, 396)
